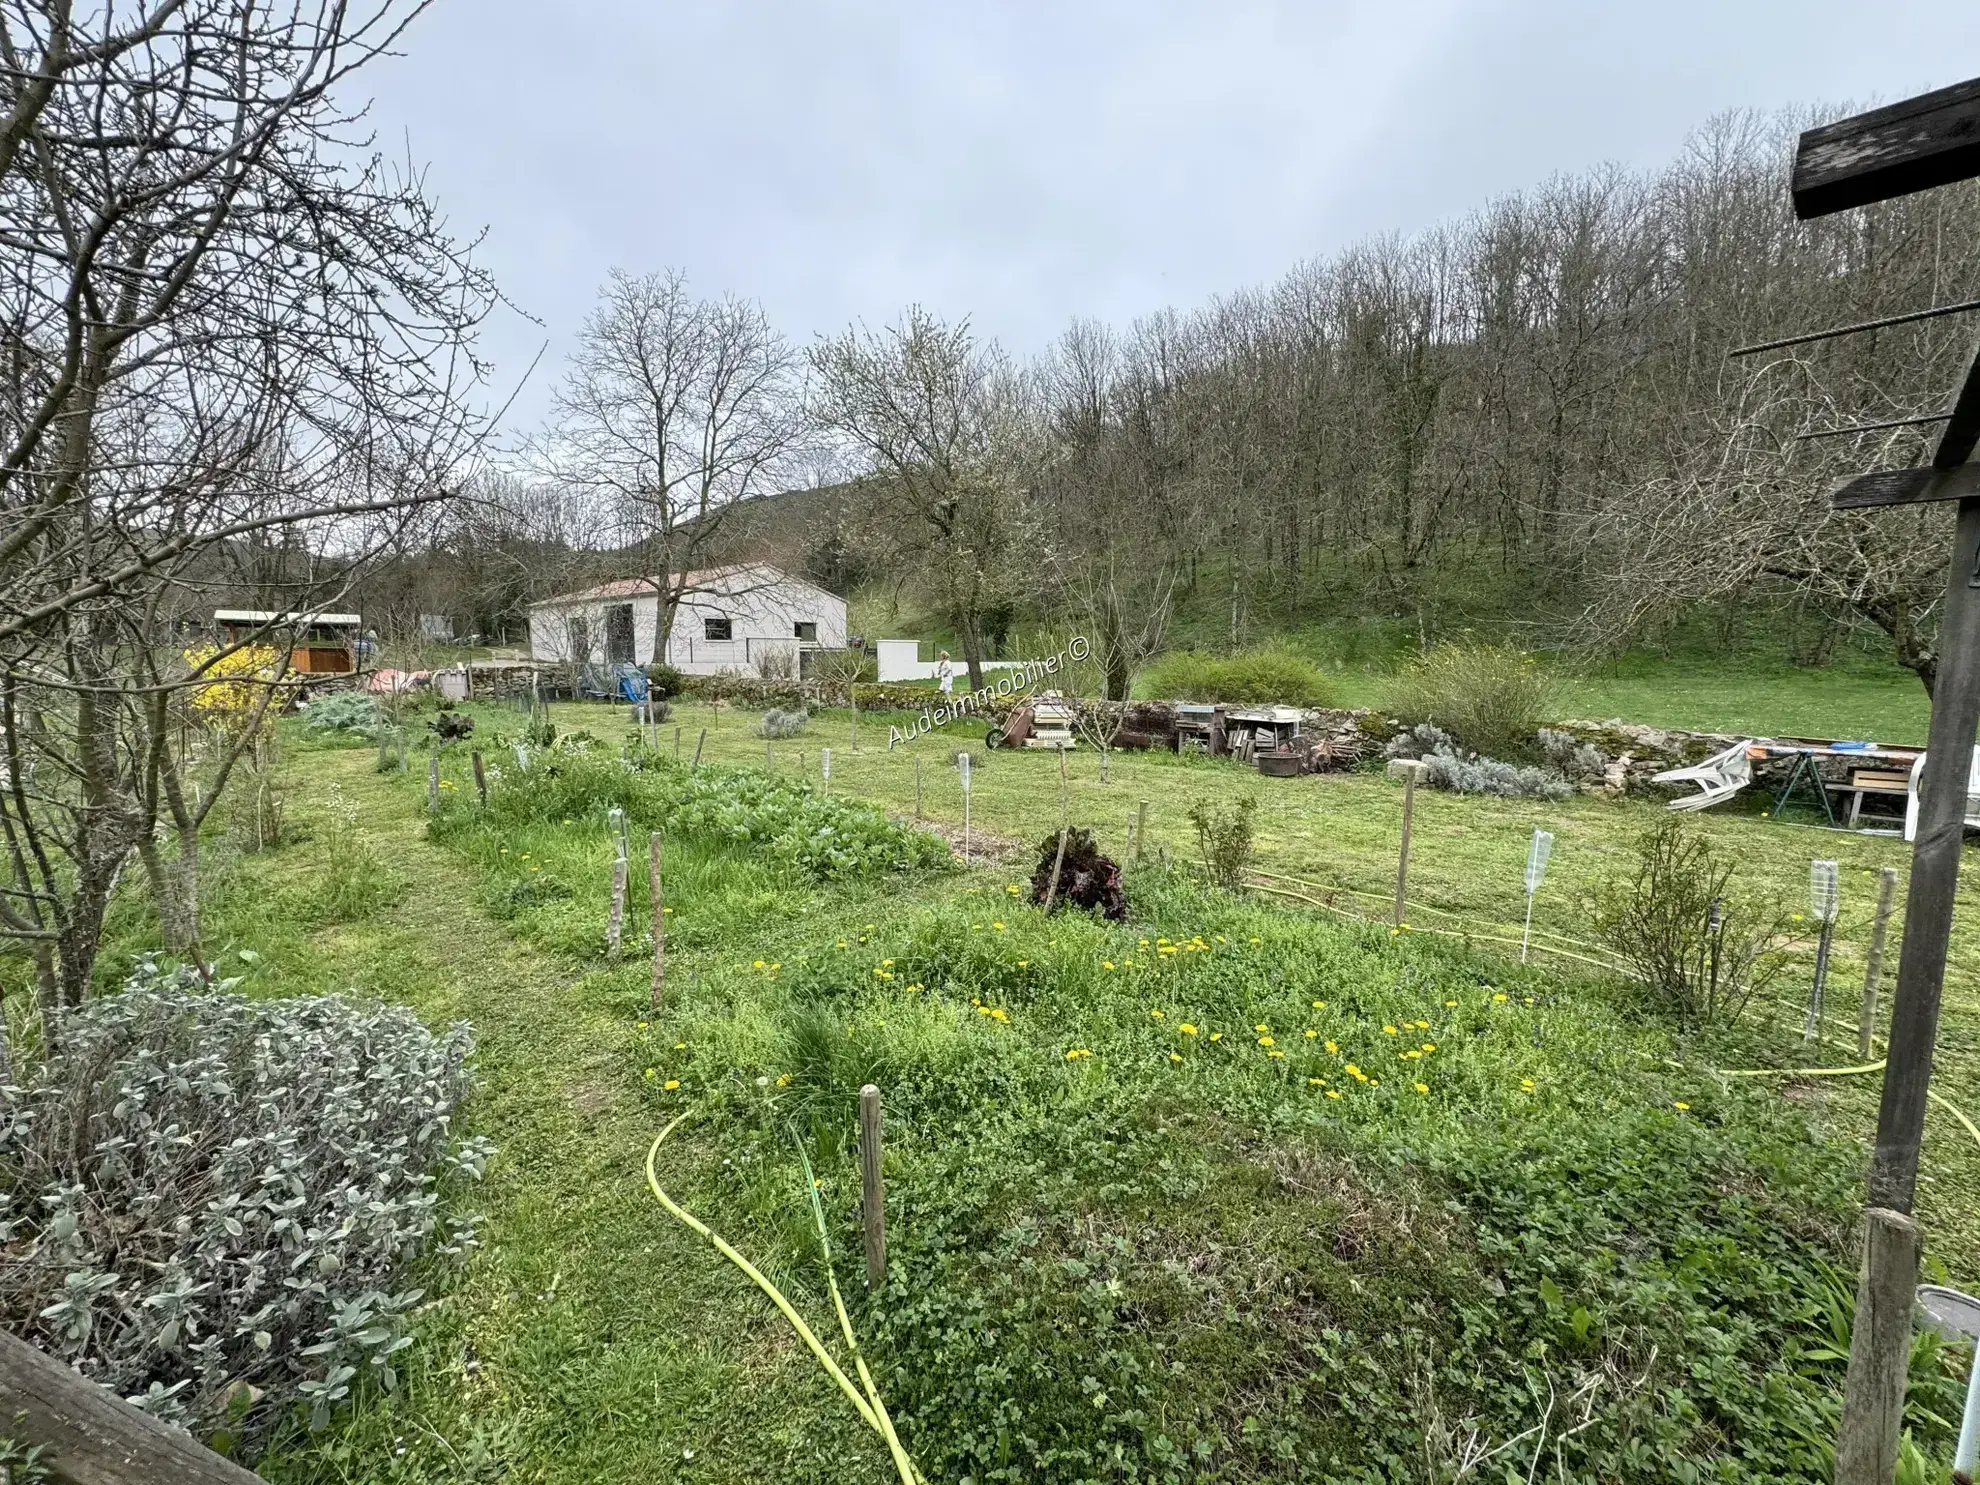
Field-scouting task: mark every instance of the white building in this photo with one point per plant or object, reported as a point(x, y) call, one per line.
point(751, 618)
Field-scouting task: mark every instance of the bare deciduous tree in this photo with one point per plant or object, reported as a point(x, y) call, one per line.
point(948, 435)
point(672, 412)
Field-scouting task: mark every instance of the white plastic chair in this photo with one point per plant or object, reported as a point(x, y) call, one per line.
point(1719, 777)
point(1911, 795)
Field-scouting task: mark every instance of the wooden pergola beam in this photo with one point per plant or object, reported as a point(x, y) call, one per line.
point(1930, 140)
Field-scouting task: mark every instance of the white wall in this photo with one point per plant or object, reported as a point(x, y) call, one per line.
point(899, 661)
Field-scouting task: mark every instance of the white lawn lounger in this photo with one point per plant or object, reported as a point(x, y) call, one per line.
point(1972, 796)
point(1719, 777)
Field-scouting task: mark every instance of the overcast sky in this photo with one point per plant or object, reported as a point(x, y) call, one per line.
point(1024, 163)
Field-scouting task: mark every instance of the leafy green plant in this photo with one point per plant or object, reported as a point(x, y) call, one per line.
point(1227, 839)
point(1492, 700)
point(665, 680)
point(354, 882)
point(1700, 946)
point(1256, 677)
point(351, 713)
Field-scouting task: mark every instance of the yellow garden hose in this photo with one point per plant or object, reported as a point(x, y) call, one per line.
point(874, 1415)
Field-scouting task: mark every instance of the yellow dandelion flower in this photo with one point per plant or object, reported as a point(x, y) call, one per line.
point(1281, 1056)
point(1024, 964)
point(1186, 1029)
point(1421, 1087)
point(671, 1084)
point(651, 1073)
point(1429, 1046)
point(1333, 1047)
point(998, 925)
point(1681, 1104)
point(1315, 1083)
point(1526, 1085)
point(1076, 1053)
point(1261, 1026)
point(1319, 1005)
point(783, 1080)
point(1389, 1031)
point(1311, 1034)
point(1333, 1093)
point(1266, 1041)
point(1216, 1036)
point(1155, 1015)
point(1500, 998)
point(1175, 1057)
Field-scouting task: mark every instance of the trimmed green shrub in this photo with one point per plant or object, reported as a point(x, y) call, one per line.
point(1491, 699)
point(1255, 677)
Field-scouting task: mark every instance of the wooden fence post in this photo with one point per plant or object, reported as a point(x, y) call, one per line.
point(677, 745)
point(872, 1194)
point(433, 782)
point(653, 886)
point(1873, 964)
point(480, 779)
point(1879, 1350)
point(1409, 773)
point(699, 742)
point(94, 1437)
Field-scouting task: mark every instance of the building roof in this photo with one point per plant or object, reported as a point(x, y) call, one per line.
point(702, 579)
point(261, 616)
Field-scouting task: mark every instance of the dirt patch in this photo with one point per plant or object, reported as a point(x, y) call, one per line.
point(984, 848)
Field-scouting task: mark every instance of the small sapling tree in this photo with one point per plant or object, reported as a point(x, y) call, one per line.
point(1701, 947)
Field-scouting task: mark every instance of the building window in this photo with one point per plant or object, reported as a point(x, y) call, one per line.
point(716, 629)
point(807, 629)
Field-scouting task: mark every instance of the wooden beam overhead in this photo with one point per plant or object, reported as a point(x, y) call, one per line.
point(1931, 140)
point(1908, 487)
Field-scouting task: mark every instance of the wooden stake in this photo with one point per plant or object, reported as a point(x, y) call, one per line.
point(1052, 888)
point(1879, 1350)
point(1402, 859)
point(699, 742)
point(480, 779)
point(1873, 965)
point(659, 896)
point(433, 782)
point(677, 745)
point(615, 921)
point(1140, 831)
point(872, 1194)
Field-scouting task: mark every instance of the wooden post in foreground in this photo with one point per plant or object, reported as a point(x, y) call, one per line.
point(1058, 861)
point(699, 743)
point(1409, 773)
point(94, 1437)
point(872, 1194)
point(1879, 1349)
point(1873, 965)
point(653, 887)
point(677, 745)
point(480, 779)
point(433, 782)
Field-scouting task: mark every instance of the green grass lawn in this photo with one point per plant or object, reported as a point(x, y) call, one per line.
point(1234, 1191)
point(1878, 703)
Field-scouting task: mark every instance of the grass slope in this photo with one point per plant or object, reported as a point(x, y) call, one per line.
point(1227, 1193)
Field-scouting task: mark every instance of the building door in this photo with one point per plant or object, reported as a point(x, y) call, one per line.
point(580, 634)
point(619, 634)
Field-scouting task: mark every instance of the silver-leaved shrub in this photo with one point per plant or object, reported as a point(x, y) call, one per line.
point(215, 1205)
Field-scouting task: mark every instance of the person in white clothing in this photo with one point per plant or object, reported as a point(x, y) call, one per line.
point(945, 673)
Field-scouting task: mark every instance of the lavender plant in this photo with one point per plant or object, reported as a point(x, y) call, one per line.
point(215, 1206)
